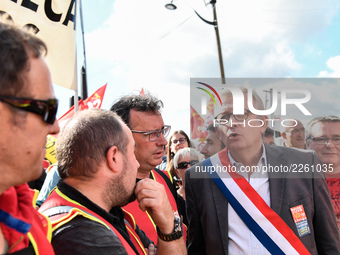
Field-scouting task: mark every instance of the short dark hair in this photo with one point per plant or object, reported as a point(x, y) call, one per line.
point(141, 103)
point(16, 46)
point(268, 132)
point(85, 140)
point(211, 128)
point(324, 118)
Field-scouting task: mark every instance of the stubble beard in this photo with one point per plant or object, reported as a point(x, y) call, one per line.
point(116, 193)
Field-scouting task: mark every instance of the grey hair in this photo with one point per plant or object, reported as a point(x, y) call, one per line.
point(193, 153)
point(324, 118)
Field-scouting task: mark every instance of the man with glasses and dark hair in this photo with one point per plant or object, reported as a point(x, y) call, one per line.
point(142, 115)
point(323, 136)
point(294, 134)
point(27, 115)
point(268, 136)
point(248, 199)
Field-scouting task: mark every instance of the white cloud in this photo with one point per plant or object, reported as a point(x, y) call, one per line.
point(256, 36)
point(334, 65)
point(144, 45)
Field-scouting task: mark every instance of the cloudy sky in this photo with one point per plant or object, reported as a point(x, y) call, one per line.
point(134, 44)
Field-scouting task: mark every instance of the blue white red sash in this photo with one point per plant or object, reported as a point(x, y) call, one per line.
point(265, 224)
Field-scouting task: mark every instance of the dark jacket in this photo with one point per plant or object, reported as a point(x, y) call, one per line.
point(207, 208)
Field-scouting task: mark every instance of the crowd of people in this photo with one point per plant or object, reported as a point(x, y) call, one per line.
point(124, 185)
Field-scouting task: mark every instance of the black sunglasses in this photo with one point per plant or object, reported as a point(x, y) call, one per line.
point(47, 109)
point(184, 165)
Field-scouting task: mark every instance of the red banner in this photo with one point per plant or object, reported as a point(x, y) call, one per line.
point(196, 123)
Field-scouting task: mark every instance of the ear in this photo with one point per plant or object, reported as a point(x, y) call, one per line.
point(221, 136)
point(113, 158)
point(218, 133)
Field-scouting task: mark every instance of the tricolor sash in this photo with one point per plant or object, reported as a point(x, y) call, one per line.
point(265, 224)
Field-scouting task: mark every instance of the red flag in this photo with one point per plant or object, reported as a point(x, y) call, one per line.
point(196, 122)
point(94, 101)
point(210, 118)
point(69, 114)
point(141, 93)
point(210, 106)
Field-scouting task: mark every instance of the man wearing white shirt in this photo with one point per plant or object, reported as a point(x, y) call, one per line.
point(218, 226)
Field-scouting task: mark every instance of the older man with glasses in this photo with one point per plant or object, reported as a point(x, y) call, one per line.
point(142, 115)
point(294, 134)
point(323, 136)
point(27, 115)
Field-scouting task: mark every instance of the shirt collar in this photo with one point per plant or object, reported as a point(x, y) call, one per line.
point(262, 161)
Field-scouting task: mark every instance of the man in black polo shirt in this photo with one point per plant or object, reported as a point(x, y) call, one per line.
point(98, 169)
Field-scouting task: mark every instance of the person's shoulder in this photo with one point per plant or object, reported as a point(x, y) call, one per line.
point(286, 151)
point(84, 236)
point(79, 224)
point(200, 167)
point(199, 173)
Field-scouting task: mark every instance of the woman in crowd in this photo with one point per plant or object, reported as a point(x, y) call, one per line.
point(184, 158)
point(178, 140)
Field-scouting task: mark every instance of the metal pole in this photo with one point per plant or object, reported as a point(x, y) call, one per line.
point(84, 83)
point(83, 69)
point(213, 2)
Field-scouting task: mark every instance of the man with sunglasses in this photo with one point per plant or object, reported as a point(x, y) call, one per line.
point(247, 199)
point(27, 115)
point(323, 136)
point(141, 113)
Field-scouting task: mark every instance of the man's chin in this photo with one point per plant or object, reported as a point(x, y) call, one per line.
point(132, 198)
point(128, 200)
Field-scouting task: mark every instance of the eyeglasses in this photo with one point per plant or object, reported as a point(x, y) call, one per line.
point(154, 135)
point(180, 140)
point(184, 165)
point(47, 109)
point(324, 140)
point(238, 117)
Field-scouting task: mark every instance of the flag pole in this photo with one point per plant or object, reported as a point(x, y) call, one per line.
point(76, 85)
point(84, 67)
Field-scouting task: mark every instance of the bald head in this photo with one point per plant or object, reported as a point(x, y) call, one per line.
point(294, 134)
